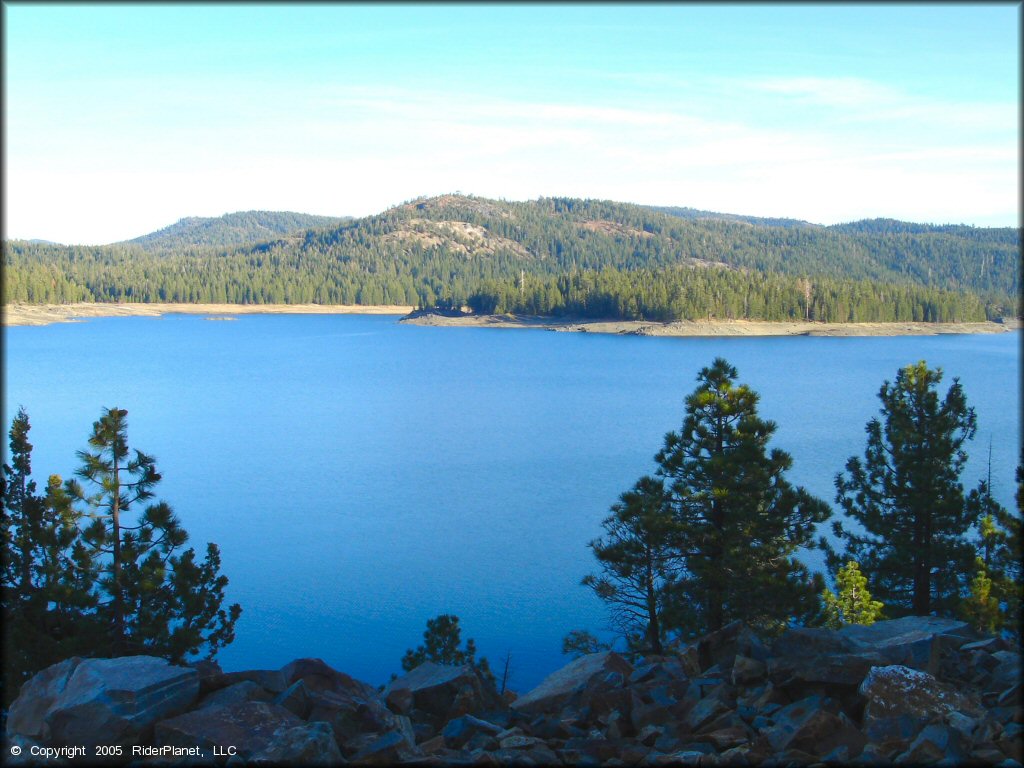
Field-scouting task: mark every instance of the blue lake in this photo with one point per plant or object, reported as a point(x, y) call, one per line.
point(362, 476)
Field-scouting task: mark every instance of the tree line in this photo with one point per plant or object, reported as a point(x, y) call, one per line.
point(92, 566)
point(453, 250)
point(713, 535)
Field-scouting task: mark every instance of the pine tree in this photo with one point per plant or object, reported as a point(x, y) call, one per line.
point(580, 642)
point(981, 607)
point(740, 521)
point(47, 576)
point(853, 605)
point(638, 562)
point(907, 497)
point(159, 602)
point(1000, 561)
point(441, 645)
point(21, 509)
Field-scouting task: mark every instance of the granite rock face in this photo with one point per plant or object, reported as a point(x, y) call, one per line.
point(104, 702)
point(912, 691)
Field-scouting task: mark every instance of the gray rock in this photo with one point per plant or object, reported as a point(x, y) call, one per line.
point(728, 737)
point(1006, 672)
point(936, 742)
point(386, 749)
point(901, 701)
point(595, 749)
point(721, 648)
point(519, 741)
point(316, 676)
point(306, 744)
point(269, 679)
point(746, 670)
point(704, 712)
point(295, 699)
point(461, 729)
point(442, 692)
point(910, 641)
point(353, 708)
point(211, 676)
point(558, 687)
point(239, 693)
point(27, 713)
point(116, 701)
point(250, 727)
point(810, 725)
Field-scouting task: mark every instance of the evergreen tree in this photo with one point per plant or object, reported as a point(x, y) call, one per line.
point(580, 642)
point(441, 645)
point(638, 561)
point(907, 497)
point(158, 602)
point(981, 607)
point(47, 574)
point(740, 521)
point(21, 507)
point(1000, 560)
point(853, 605)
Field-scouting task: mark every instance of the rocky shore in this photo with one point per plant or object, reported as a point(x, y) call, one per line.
point(917, 690)
point(702, 327)
point(45, 314)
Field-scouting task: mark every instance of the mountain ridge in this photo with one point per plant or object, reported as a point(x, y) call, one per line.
point(234, 228)
point(556, 255)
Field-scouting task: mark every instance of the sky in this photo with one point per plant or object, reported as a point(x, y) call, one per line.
point(122, 119)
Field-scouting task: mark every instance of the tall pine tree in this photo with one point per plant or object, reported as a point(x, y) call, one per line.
point(638, 563)
point(157, 601)
point(907, 496)
point(740, 521)
point(48, 576)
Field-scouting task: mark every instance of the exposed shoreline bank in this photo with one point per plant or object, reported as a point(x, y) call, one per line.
point(45, 314)
point(709, 327)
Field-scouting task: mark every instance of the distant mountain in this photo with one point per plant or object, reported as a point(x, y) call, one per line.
point(694, 213)
point(233, 229)
point(550, 256)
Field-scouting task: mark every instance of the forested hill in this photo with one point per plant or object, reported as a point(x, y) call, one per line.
point(232, 229)
point(588, 258)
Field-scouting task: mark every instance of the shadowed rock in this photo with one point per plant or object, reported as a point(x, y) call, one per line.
point(250, 727)
point(116, 701)
point(558, 687)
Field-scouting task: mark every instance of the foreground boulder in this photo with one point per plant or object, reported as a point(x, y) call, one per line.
point(102, 702)
point(436, 693)
point(558, 687)
point(902, 701)
point(249, 727)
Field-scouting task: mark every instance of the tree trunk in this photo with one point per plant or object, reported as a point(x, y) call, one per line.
point(653, 627)
point(115, 513)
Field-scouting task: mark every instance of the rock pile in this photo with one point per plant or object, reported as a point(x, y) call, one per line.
point(916, 690)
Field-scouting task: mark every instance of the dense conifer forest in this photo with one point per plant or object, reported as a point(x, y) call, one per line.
point(232, 229)
point(552, 256)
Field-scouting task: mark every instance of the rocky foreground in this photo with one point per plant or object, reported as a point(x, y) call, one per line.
point(916, 690)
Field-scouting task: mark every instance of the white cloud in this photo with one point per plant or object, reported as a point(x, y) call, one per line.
point(355, 151)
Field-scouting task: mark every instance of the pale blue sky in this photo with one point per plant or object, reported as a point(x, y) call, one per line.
point(123, 119)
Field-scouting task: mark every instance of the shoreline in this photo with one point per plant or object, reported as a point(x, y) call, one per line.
point(685, 328)
point(45, 314)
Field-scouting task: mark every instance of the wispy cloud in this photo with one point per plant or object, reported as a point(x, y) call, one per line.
point(356, 150)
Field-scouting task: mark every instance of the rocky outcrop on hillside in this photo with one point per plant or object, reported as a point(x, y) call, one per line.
point(916, 690)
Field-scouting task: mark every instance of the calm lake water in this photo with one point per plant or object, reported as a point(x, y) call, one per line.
point(362, 476)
